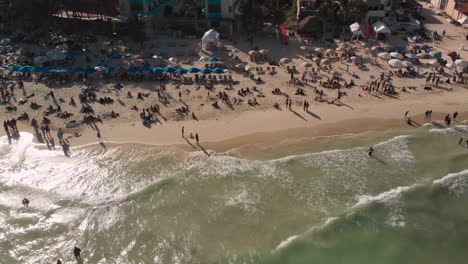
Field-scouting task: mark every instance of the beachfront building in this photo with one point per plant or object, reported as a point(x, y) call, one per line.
point(457, 9)
point(377, 10)
point(305, 8)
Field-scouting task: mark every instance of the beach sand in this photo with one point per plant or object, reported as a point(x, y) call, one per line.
point(224, 129)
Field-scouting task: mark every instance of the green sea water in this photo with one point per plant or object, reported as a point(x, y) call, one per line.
point(321, 200)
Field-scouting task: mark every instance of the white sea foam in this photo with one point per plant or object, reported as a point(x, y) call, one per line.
point(456, 183)
point(455, 130)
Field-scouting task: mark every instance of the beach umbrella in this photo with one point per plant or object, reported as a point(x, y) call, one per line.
point(40, 59)
point(434, 63)
point(14, 68)
point(239, 66)
point(173, 59)
point(461, 63)
point(253, 52)
point(306, 64)
point(213, 59)
point(304, 48)
point(139, 57)
point(285, 61)
point(181, 71)
point(353, 58)
point(407, 64)
point(109, 70)
point(135, 69)
point(206, 71)
point(157, 57)
point(450, 65)
point(116, 56)
point(193, 70)
point(72, 53)
point(339, 48)
point(318, 49)
point(315, 59)
point(263, 51)
point(25, 69)
point(411, 55)
point(325, 61)
point(58, 57)
point(423, 56)
point(170, 69)
point(89, 70)
point(329, 51)
point(384, 55)
point(203, 59)
point(63, 70)
point(435, 54)
point(36, 69)
point(247, 68)
point(395, 63)
point(158, 70)
point(396, 55)
point(100, 68)
point(218, 70)
point(146, 68)
point(47, 69)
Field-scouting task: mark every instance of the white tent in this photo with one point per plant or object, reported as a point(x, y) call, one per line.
point(210, 38)
point(355, 27)
point(381, 28)
point(356, 30)
point(463, 21)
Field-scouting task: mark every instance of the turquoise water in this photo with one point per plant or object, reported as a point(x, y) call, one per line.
point(322, 200)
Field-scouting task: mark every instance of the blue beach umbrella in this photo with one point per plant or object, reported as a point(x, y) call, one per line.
point(72, 53)
point(116, 56)
point(47, 69)
point(63, 70)
point(435, 54)
point(25, 69)
point(109, 70)
point(89, 70)
point(206, 71)
point(193, 70)
point(218, 70)
point(135, 69)
point(14, 68)
point(213, 59)
point(158, 70)
point(36, 69)
point(181, 71)
point(146, 69)
point(170, 69)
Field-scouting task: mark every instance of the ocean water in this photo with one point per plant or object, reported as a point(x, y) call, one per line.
point(321, 200)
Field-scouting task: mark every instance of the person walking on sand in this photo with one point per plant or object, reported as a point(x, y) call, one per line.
point(406, 114)
point(371, 151)
point(60, 135)
point(196, 138)
point(77, 253)
point(461, 140)
point(455, 115)
point(183, 132)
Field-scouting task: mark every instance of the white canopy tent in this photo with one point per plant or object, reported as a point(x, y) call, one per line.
point(381, 28)
point(210, 39)
point(356, 30)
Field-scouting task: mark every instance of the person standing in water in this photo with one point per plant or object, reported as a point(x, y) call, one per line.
point(77, 253)
point(461, 140)
point(25, 202)
point(183, 132)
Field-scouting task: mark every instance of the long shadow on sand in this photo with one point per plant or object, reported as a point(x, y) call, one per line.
point(297, 114)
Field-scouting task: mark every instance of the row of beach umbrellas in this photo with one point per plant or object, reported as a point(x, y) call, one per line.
point(132, 69)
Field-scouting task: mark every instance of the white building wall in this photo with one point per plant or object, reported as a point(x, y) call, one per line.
point(227, 9)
